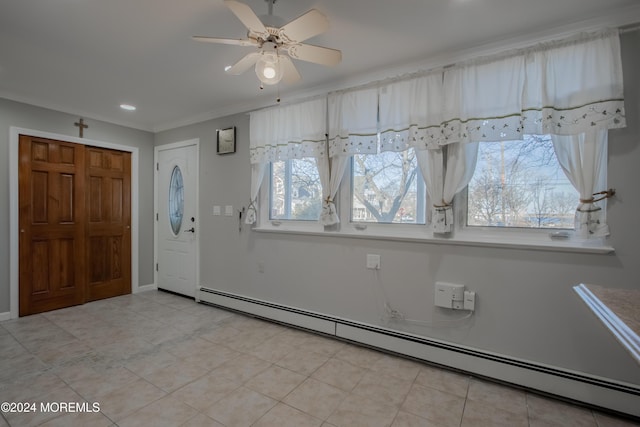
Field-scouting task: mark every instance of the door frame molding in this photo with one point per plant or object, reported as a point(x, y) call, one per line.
point(156, 150)
point(14, 161)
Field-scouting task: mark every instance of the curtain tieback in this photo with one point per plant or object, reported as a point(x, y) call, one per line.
point(328, 200)
point(604, 195)
point(444, 205)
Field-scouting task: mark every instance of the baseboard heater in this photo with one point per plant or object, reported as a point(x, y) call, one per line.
point(611, 395)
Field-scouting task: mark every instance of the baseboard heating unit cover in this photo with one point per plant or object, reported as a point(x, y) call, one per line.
point(592, 390)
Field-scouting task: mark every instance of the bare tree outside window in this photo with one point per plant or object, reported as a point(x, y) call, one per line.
point(520, 184)
point(387, 188)
point(296, 192)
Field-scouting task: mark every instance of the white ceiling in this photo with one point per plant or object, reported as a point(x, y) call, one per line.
point(86, 57)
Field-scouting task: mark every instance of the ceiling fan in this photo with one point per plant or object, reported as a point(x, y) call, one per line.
point(277, 43)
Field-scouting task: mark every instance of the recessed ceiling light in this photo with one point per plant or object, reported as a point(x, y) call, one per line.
point(128, 107)
point(227, 68)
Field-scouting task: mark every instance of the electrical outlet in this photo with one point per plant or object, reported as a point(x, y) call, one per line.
point(469, 300)
point(373, 261)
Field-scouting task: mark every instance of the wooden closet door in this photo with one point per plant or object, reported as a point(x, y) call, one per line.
point(52, 234)
point(108, 210)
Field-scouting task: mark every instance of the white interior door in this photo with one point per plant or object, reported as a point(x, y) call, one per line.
point(176, 217)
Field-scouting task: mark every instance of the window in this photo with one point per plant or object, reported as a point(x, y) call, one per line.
point(176, 200)
point(519, 184)
point(387, 188)
point(296, 192)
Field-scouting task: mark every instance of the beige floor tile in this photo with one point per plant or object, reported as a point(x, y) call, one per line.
point(189, 346)
point(383, 388)
point(434, 405)
point(499, 396)
point(98, 351)
point(220, 335)
point(547, 412)
point(166, 411)
point(359, 356)
point(397, 367)
point(323, 345)
point(201, 420)
point(405, 419)
point(41, 411)
point(356, 411)
point(123, 402)
point(92, 419)
point(285, 416)
point(443, 380)
point(242, 368)
point(19, 366)
point(245, 341)
point(63, 354)
point(315, 398)
point(213, 358)
point(146, 363)
point(303, 361)
point(174, 376)
point(118, 344)
point(203, 393)
point(26, 388)
point(339, 374)
point(99, 383)
point(275, 382)
point(272, 350)
point(604, 420)
point(242, 407)
point(478, 414)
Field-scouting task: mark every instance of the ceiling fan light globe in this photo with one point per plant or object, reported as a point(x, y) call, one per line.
point(269, 69)
point(269, 72)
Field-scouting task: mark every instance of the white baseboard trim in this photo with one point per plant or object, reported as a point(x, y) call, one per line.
point(577, 386)
point(144, 288)
point(5, 316)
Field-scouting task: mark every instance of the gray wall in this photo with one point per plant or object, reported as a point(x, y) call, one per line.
point(526, 307)
point(41, 119)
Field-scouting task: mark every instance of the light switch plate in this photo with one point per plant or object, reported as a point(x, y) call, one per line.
point(216, 210)
point(373, 261)
point(228, 210)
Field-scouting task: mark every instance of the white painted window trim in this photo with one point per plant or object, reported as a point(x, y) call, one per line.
point(462, 236)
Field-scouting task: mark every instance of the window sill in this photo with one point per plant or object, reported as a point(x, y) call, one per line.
point(511, 240)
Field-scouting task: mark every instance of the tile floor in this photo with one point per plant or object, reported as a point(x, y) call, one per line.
point(156, 359)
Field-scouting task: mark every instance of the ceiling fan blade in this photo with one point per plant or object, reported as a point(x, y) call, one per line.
point(306, 26)
point(247, 17)
point(235, 42)
point(317, 54)
point(244, 64)
point(290, 73)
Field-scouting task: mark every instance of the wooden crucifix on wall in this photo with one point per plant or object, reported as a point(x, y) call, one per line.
point(81, 126)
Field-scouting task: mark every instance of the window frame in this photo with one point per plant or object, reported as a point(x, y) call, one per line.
point(462, 235)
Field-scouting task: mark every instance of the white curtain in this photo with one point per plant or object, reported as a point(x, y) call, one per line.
point(576, 94)
point(483, 101)
point(410, 113)
point(574, 85)
point(581, 158)
point(353, 122)
point(283, 133)
point(257, 174)
point(443, 183)
point(566, 88)
point(353, 129)
point(331, 172)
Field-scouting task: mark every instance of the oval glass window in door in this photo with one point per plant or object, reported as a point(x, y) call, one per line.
point(176, 200)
